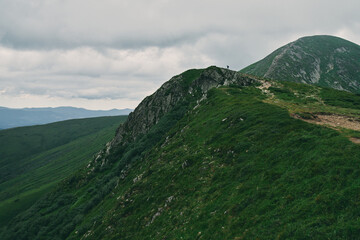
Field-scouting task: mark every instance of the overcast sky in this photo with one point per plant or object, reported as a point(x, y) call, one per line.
point(104, 54)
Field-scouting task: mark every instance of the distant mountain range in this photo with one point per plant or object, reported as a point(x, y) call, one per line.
point(10, 117)
point(322, 60)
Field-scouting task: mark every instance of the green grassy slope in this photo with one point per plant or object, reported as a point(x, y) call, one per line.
point(26, 141)
point(322, 60)
point(34, 159)
point(234, 167)
point(237, 168)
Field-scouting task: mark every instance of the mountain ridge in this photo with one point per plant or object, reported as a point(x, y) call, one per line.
point(214, 154)
point(172, 92)
point(323, 60)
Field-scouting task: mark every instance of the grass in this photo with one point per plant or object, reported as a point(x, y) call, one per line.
point(236, 167)
point(189, 76)
point(340, 98)
point(26, 179)
point(233, 168)
point(35, 139)
point(303, 98)
point(306, 101)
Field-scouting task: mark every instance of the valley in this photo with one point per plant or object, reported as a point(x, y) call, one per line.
point(34, 159)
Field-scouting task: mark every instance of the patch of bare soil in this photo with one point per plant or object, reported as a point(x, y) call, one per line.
point(332, 120)
point(264, 85)
point(355, 140)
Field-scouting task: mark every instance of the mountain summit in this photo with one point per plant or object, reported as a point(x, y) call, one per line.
point(322, 60)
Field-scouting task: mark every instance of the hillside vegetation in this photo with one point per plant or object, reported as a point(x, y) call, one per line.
point(321, 60)
point(214, 154)
point(33, 159)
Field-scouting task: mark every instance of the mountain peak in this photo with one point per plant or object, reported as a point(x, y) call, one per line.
point(322, 60)
point(175, 95)
point(193, 83)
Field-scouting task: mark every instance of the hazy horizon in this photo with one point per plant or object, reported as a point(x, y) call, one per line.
point(110, 109)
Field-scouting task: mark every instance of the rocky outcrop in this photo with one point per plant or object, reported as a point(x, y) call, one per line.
point(153, 107)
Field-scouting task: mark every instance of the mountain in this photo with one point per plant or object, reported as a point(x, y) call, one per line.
point(215, 154)
point(34, 159)
point(322, 60)
point(33, 116)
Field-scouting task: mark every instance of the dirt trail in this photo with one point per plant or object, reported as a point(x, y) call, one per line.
point(264, 87)
point(355, 140)
point(335, 122)
point(340, 121)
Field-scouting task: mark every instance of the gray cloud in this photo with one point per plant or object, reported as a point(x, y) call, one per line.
point(110, 53)
point(144, 23)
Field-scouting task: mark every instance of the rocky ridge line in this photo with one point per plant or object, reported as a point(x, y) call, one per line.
point(172, 92)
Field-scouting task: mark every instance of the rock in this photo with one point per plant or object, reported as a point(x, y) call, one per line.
point(153, 107)
point(171, 93)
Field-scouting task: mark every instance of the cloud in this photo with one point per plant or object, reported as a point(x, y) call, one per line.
point(87, 73)
point(143, 23)
point(105, 51)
